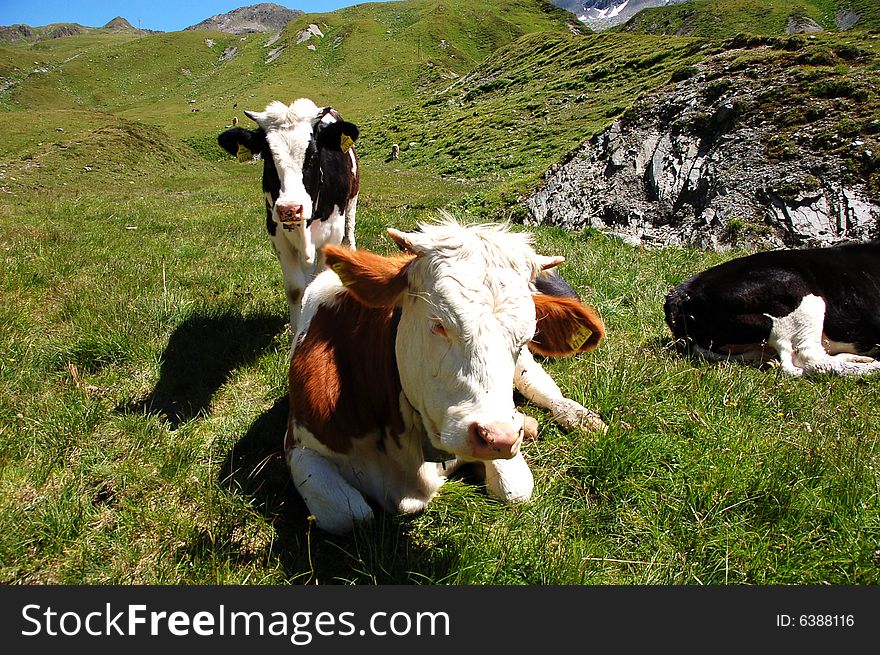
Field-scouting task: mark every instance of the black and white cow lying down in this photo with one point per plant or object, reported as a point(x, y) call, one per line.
point(310, 182)
point(816, 310)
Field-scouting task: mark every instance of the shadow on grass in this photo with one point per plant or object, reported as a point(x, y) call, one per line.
point(382, 552)
point(679, 350)
point(201, 354)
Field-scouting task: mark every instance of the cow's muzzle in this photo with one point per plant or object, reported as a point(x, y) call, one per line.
point(495, 440)
point(289, 213)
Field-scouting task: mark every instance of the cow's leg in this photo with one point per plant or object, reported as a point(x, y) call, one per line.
point(509, 480)
point(309, 250)
point(293, 275)
point(428, 479)
point(350, 211)
point(537, 386)
point(797, 338)
point(336, 505)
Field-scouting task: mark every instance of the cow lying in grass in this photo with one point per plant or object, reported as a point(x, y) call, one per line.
point(401, 369)
point(310, 182)
point(816, 310)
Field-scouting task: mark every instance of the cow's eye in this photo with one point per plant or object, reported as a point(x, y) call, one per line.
point(438, 329)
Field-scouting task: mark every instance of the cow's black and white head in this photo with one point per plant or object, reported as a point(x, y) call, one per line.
point(309, 164)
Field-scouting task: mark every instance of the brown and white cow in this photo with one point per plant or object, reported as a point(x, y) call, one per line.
point(401, 369)
point(310, 183)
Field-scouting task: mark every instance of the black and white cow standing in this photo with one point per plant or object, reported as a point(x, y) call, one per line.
point(817, 310)
point(310, 182)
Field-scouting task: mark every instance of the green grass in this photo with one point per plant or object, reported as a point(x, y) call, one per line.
point(142, 382)
point(143, 346)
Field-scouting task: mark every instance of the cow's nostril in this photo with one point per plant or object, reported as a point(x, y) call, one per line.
point(480, 434)
point(288, 213)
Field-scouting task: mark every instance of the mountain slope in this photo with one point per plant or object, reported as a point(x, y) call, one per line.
point(497, 91)
point(530, 103)
point(263, 17)
point(120, 26)
point(370, 58)
point(725, 18)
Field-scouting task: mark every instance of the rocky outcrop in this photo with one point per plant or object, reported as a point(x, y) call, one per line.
point(310, 31)
point(846, 19)
point(690, 165)
point(799, 24)
point(263, 17)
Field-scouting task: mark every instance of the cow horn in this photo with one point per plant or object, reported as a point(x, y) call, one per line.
point(402, 240)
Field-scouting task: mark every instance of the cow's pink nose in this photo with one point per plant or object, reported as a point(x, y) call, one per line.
point(495, 440)
point(289, 213)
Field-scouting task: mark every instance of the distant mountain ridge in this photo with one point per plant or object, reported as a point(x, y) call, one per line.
point(25, 33)
point(120, 25)
point(263, 17)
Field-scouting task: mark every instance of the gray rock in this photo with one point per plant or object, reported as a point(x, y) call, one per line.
point(682, 168)
point(310, 31)
point(846, 19)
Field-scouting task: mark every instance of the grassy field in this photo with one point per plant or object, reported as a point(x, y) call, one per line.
point(143, 360)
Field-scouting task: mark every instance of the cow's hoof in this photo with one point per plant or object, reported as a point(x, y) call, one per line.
point(509, 480)
point(530, 427)
point(571, 415)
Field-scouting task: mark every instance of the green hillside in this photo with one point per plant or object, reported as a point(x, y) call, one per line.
point(372, 55)
point(725, 18)
point(529, 104)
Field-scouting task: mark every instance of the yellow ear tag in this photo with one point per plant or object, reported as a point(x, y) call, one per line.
point(579, 337)
point(344, 277)
point(244, 154)
point(345, 142)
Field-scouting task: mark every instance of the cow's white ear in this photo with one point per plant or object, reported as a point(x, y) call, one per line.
point(546, 263)
point(403, 241)
point(255, 116)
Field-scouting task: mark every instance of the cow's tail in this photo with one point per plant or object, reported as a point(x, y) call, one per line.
point(676, 317)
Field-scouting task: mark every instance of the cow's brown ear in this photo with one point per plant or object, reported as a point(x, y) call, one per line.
point(374, 280)
point(564, 327)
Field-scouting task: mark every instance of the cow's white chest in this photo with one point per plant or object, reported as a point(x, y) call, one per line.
point(300, 243)
point(388, 468)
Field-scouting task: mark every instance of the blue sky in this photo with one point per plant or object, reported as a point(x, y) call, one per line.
point(163, 15)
